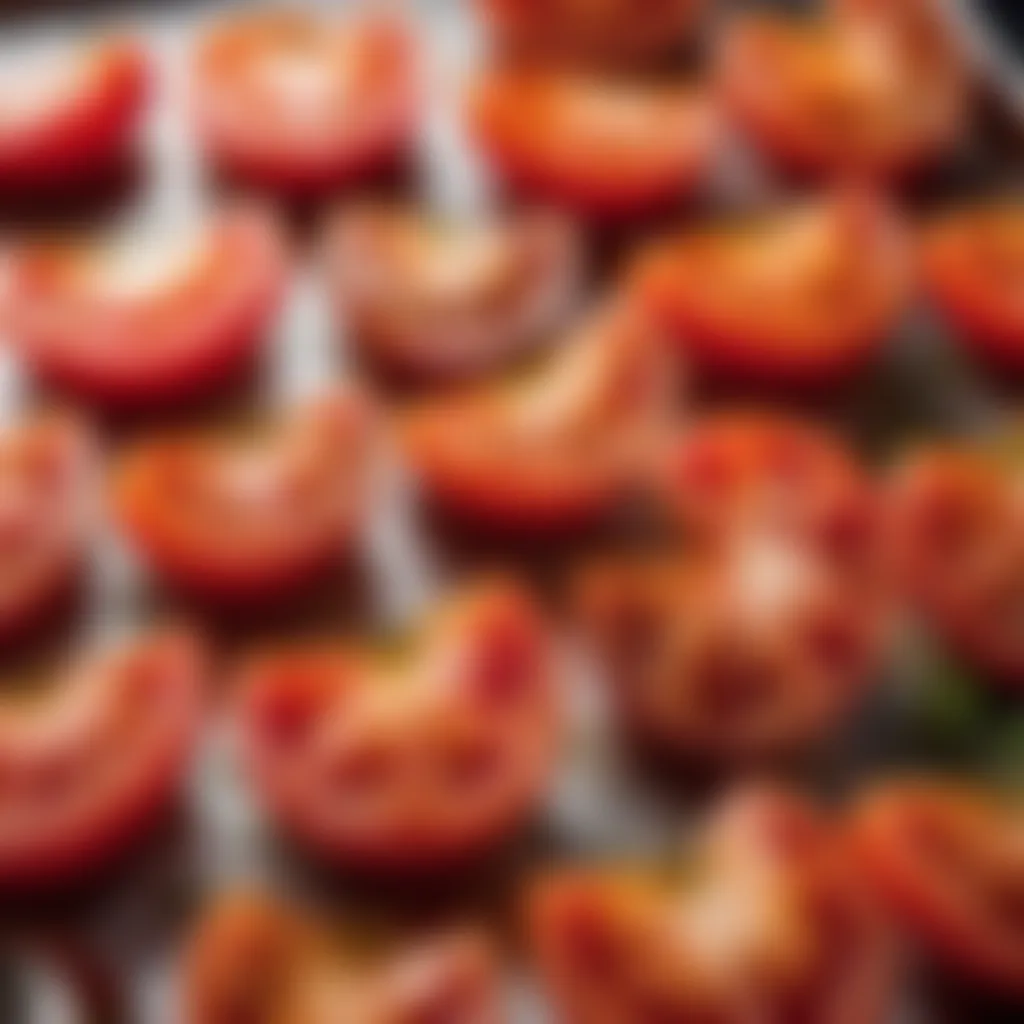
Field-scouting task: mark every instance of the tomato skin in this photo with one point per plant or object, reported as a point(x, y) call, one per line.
point(61, 753)
point(901, 829)
point(233, 70)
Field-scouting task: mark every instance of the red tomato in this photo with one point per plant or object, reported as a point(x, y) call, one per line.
point(128, 328)
point(959, 523)
point(552, 452)
point(302, 103)
point(974, 268)
point(245, 521)
point(254, 960)
point(47, 487)
point(409, 765)
point(426, 299)
point(85, 771)
point(875, 89)
point(601, 146)
point(763, 918)
point(803, 298)
point(68, 121)
point(947, 860)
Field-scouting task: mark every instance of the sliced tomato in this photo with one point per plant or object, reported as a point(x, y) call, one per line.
point(802, 298)
point(246, 520)
point(553, 451)
point(289, 100)
point(428, 299)
point(66, 121)
point(409, 765)
point(973, 262)
point(946, 859)
point(959, 524)
point(129, 327)
point(257, 961)
point(601, 146)
point(764, 917)
point(870, 89)
point(89, 767)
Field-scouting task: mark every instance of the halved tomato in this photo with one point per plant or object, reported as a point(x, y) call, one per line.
point(130, 326)
point(409, 764)
point(802, 298)
point(257, 961)
point(293, 101)
point(47, 496)
point(429, 299)
point(872, 89)
point(602, 146)
point(64, 122)
point(959, 524)
point(245, 520)
point(764, 918)
point(85, 770)
point(947, 859)
point(974, 267)
point(553, 451)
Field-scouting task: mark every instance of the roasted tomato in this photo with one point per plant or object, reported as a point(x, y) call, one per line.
point(601, 146)
point(410, 765)
point(68, 121)
point(126, 327)
point(260, 962)
point(292, 101)
point(47, 493)
point(799, 299)
point(85, 770)
point(959, 521)
point(765, 919)
point(948, 860)
point(245, 520)
point(874, 89)
point(426, 299)
point(974, 267)
point(554, 451)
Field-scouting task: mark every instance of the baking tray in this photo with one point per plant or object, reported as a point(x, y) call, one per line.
point(118, 943)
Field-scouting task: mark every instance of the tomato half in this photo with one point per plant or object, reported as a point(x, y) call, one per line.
point(600, 146)
point(803, 298)
point(256, 961)
point(875, 90)
point(973, 262)
point(553, 451)
point(85, 770)
point(408, 765)
point(959, 524)
point(948, 861)
point(762, 918)
point(130, 326)
point(245, 520)
point(68, 121)
point(292, 101)
point(435, 300)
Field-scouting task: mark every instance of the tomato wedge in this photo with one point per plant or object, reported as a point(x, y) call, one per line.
point(87, 769)
point(428, 299)
point(416, 764)
point(127, 327)
point(70, 120)
point(948, 861)
point(763, 918)
point(302, 103)
point(245, 520)
point(258, 961)
point(802, 298)
point(604, 147)
point(973, 261)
